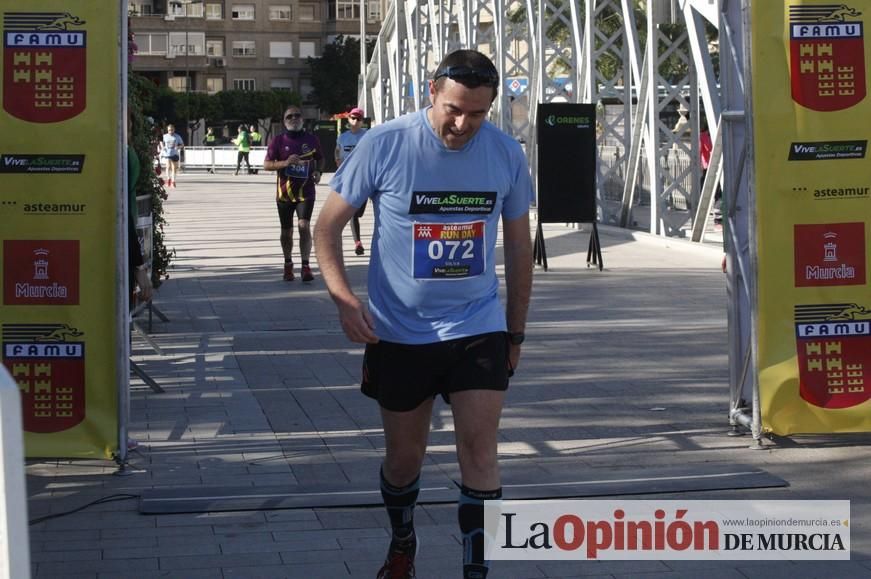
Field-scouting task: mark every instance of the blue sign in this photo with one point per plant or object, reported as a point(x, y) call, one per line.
point(516, 85)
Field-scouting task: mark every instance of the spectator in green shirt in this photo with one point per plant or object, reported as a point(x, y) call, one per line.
point(243, 141)
point(256, 141)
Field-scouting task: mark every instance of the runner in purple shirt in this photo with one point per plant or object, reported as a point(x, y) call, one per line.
point(297, 158)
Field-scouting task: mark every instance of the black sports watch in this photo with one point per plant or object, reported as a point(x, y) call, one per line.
point(516, 338)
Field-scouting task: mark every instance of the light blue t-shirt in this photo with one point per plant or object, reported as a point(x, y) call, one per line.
point(346, 143)
point(171, 143)
point(432, 274)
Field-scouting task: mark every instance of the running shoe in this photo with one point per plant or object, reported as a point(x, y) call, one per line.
point(358, 249)
point(307, 273)
point(288, 272)
point(399, 563)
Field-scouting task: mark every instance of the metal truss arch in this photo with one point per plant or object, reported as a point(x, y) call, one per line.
point(581, 51)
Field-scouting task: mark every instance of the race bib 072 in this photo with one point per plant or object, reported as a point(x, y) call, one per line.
point(448, 250)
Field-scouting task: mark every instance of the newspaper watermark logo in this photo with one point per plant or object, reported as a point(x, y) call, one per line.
point(667, 530)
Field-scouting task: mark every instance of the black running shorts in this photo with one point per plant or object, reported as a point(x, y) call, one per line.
point(304, 210)
point(402, 376)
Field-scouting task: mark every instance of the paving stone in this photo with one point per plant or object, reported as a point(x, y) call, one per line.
point(255, 368)
point(181, 564)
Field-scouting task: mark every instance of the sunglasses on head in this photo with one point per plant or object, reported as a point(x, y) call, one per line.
point(470, 77)
point(293, 116)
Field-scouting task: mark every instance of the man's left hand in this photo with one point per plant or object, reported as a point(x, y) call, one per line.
point(513, 358)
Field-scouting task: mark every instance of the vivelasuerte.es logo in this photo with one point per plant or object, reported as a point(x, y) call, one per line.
point(18, 163)
point(452, 202)
point(828, 150)
point(578, 121)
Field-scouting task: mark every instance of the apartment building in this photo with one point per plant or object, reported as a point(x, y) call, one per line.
point(214, 45)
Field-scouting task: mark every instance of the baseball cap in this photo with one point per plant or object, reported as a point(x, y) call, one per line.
point(356, 112)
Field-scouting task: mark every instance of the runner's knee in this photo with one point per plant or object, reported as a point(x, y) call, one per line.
point(477, 454)
point(401, 466)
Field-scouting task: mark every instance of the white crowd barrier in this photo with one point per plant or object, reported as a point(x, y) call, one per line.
point(14, 534)
point(219, 158)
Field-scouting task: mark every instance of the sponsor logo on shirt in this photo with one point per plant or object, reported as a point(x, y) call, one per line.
point(452, 202)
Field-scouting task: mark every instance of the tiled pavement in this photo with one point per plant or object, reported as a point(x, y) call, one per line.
point(623, 369)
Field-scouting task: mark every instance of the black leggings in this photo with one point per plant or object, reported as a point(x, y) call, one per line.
point(242, 155)
point(303, 210)
point(355, 221)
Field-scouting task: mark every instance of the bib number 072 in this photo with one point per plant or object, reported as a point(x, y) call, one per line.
point(436, 249)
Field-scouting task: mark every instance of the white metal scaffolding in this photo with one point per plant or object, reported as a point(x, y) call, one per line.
point(650, 109)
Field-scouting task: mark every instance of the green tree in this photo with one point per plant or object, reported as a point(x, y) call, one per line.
point(270, 104)
point(144, 136)
point(195, 106)
point(335, 74)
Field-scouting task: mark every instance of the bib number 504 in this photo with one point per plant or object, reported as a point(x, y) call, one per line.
point(437, 249)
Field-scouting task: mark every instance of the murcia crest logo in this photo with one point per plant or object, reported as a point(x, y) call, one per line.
point(834, 354)
point(48, 363)
point(44, 66)
point(827, 56)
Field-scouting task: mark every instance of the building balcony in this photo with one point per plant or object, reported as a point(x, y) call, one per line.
point(335, 27)
point(177, 63)
point(169, 23)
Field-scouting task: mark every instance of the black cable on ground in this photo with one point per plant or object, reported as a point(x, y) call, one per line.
point(107, 499)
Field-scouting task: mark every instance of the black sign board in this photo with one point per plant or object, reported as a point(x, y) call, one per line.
point(327, 132)
point(566, 163)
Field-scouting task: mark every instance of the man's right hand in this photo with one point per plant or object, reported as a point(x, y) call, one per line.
point(357, 322)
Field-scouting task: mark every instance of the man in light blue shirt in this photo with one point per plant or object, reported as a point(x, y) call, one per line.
point(440, 180)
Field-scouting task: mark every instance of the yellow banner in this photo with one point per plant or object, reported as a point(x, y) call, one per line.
point(58, 203)
point(813, 201)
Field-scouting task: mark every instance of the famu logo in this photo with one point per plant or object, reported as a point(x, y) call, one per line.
point(41, 163)
point(827, 56)
point(44, 72)
point(833, 343)
point(578, 121)
point(452, 202)
point(47, 361)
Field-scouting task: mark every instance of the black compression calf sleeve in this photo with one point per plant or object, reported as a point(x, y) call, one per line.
point(400, 503)
point(471, 516)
